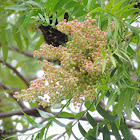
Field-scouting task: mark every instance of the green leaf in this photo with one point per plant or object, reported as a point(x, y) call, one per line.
point(4, 45)
point(60, 4)
point(135, 98)
point(41, 133)
point(128, 96)
point(91, 134)
point(91, 120)
point(28, 17)
point(113, 72)
point(103, 65)
point(17, 38)
point(135, 31)
point(101, 87)
point(120, 104)
point(103, 51)
point(105, 115)
point(109, 5)
point(52, 136)
point(101, 96)
point(124, 8)
point(124, 130)
point(91, 4)
point(47, 126)
point(43, 19)
point(85, 2)
point(79, 12)
point(117, 58)
point(70, 4)
point(109, 34)
point(70, 130)
point(137, 113)
point(120, 56)
point(106, 133)
point(113, 60)
point(82, 131)
point(96, 61)
point(33, 3)
point(45, 114)
point(87, 105)
point(59, 123)
point(15, 136)
point(66, 114)
point(129, 12)
point(115, 131)
point(98, 9)
point(32, 122)
point(9, 36)
point(17, 7)
point(111, 99)
point(125, 54)
point(78, 115)
point(117, 6)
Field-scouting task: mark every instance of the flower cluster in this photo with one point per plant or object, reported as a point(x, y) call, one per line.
point(78, 74)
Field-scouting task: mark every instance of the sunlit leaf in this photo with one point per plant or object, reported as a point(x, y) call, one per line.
point(65, 114)
point(87, 105)
point(104, 65)
point(117, 6)
point(98, 9)
point(113, 60)
point(78, 115)
point(44, 114)
point(109, 5)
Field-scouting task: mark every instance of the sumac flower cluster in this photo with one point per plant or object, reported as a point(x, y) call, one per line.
point(77, 75)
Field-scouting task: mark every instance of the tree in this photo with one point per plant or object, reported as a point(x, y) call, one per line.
point(96, 45)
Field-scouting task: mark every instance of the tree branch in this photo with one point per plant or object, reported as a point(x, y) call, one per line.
point(20, 102)
point(14, 70)
point(26, 53)
point(34, 112)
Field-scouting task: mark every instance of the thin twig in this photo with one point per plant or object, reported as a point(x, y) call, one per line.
point(14, 70)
